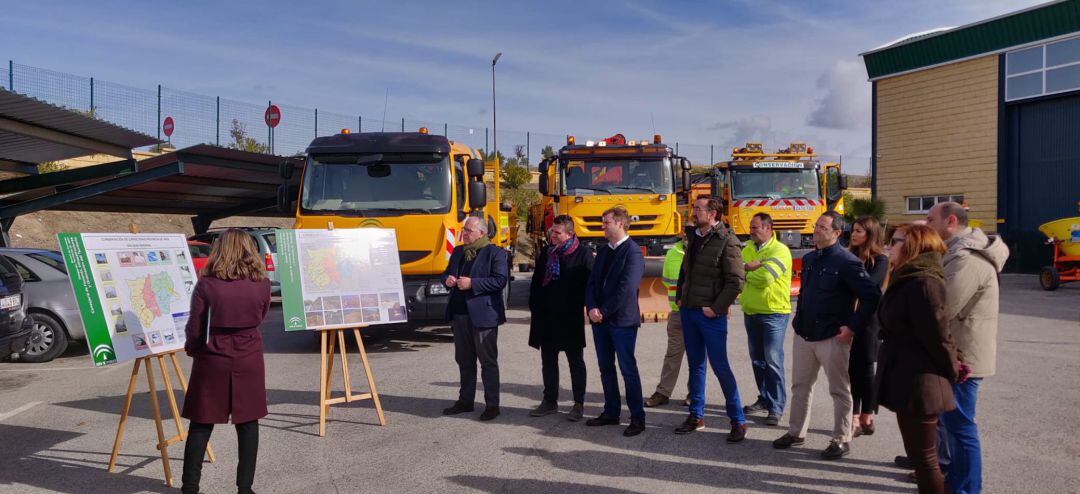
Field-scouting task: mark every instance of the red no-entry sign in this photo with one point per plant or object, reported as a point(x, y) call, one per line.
point(272, 116)
point(167, 126)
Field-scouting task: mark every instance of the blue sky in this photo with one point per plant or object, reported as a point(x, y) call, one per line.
point(702, 72)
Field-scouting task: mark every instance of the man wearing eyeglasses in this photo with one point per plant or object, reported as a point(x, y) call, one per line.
point(476, 275)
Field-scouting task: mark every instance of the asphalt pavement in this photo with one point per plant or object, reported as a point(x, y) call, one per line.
point(58, 421)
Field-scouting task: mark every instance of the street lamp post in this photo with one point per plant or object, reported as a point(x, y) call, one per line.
point(494, 124)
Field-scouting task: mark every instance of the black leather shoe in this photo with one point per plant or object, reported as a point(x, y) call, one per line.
point(456, 408)
point(602, 420)
point(836, 450)
point(904, 462)
point(787, 440)
point(637, 426)
point(489, 413)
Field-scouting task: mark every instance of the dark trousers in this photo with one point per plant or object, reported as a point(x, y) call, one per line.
point(247, 436)
point(471, 344)
point(920, 442)
point(613, 342)
point(862, 386)
point(549, 363)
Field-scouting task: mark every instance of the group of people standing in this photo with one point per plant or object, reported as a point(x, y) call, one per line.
point(904, 319)
point(910, 326)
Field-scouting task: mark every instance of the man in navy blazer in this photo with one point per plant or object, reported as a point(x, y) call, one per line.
point(476, 276)
point(611, 299)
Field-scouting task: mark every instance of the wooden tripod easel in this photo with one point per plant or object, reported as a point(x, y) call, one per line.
point(163, 442)
point(336, 338)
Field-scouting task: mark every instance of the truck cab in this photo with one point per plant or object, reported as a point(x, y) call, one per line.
point(584, 180)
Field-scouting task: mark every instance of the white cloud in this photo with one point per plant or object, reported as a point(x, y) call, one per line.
point(845, 99)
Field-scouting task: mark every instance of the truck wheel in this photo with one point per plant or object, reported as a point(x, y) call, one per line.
point(47, 341)
point(1049, 278)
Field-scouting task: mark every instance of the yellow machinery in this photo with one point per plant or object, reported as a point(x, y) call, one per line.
point(791, 185)
point(645, 177)
point(423, 186)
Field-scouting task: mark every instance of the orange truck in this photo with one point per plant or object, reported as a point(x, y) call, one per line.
point(791, 185)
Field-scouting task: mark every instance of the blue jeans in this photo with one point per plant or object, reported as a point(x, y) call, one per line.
point(765, 333)
point(960, 454)
point(618, 341)
point(707, 338)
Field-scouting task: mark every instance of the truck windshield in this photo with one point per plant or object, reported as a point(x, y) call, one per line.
point(379, 185)
point(774, 184)
point(617, 176)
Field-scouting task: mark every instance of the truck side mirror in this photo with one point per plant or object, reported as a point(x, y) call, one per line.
point(843, 181)
point(285, 169)
point(685, 164)
point(477, 194)
point(544, 186)
point(715, 187)
point(685, 180)
point(475, 168)
point(543, 168)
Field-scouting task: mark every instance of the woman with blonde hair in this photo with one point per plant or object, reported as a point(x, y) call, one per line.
point(917, 363)
point(228, 379)
point(868, 244)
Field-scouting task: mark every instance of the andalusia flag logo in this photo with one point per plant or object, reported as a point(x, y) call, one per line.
point(104, 352)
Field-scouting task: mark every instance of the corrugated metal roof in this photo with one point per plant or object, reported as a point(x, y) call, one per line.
point(214, 180)
point(985, 37)
point(16, 146)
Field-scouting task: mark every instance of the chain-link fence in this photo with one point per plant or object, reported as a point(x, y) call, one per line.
point(201, 119)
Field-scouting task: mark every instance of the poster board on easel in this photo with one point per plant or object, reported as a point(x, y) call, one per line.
point(334, 281)
point(133, 292)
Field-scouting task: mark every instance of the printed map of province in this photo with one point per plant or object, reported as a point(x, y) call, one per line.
point(326, 269)
point(151, 296)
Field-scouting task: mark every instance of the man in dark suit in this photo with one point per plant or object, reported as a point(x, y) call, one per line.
point(476, 276)
point(611, 299)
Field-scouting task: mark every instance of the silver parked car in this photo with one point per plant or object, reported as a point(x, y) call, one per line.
point(49, 300)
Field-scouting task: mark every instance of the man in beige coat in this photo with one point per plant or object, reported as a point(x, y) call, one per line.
point(971, 266)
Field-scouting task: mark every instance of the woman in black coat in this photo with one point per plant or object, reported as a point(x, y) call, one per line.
point(867, 243)
point(557, 303)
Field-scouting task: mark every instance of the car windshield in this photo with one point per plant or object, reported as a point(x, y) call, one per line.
point(379, 185)
point(774, 184)
point(617, 176)
point(50, 258)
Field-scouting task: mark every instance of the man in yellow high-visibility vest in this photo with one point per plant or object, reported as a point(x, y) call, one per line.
point(673, 357)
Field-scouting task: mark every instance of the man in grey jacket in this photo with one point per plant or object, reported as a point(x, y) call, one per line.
point(972, 264)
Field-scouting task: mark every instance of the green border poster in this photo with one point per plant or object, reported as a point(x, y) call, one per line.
point(340, 278)
point(133, 291)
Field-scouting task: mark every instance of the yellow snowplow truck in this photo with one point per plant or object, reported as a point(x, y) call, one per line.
point(791, 185)
point(423, 186)
point(645, 177)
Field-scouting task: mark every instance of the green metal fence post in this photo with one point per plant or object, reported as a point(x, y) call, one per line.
point(158, 124)
point(91, 96)
point(11, 75)
point(316, 122)
point(528, 148)
point(403, 124)
point(217, 123)
point(444, 132)
point(359, 123)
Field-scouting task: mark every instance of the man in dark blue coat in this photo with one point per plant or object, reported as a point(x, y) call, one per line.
point(611, 299)
point(826, 320)
point(476, 276)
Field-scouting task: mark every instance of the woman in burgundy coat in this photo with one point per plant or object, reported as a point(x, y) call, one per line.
point(227, 377)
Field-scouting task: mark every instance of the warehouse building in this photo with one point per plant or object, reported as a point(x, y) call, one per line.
point(986, 114)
